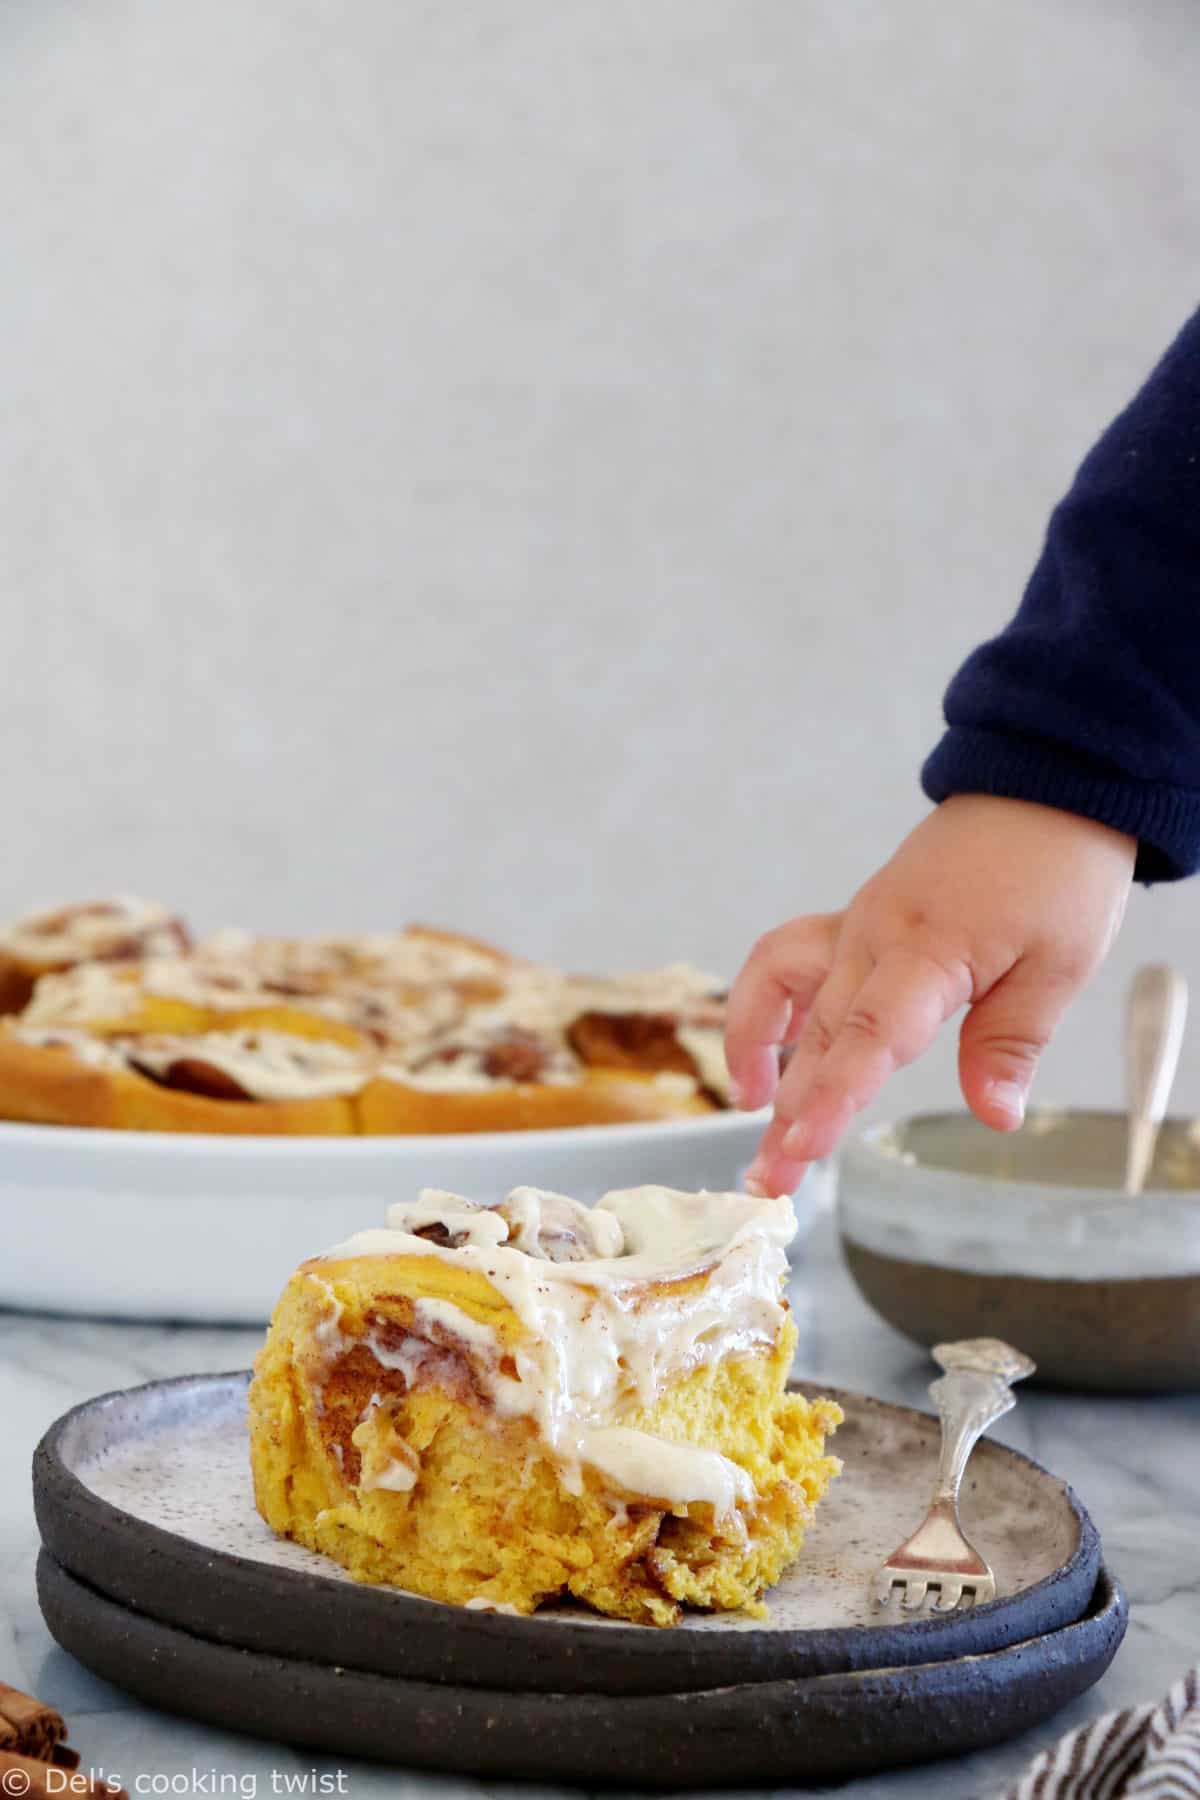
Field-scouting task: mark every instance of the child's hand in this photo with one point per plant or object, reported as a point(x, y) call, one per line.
point(998, 905)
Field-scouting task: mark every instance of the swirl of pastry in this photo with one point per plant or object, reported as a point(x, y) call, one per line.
point(121, 929)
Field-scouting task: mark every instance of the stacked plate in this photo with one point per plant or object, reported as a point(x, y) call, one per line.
point(158, 1574)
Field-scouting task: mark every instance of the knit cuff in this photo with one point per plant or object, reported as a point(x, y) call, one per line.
point(1164, 820)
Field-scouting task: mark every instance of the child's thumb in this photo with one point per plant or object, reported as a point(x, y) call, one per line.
point(1003, 1037)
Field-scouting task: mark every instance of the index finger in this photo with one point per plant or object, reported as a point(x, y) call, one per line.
point(894, 1016)
point(770, 998)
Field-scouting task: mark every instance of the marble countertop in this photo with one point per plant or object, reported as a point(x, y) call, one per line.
point(1135, 1462)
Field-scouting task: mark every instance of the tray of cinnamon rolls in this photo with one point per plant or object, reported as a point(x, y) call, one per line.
point(114, 1018)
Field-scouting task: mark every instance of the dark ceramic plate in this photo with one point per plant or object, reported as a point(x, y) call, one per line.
point(773, 1733)
point(145, 1496)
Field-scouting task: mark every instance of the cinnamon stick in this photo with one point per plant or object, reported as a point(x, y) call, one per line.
point(37, 1726)
point(38, 1775)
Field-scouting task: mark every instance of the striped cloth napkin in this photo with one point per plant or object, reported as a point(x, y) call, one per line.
point(1149, 1752)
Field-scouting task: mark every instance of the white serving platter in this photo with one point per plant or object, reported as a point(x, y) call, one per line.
point(153, 1225)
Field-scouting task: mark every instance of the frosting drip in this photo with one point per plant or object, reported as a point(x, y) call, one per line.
point(262, 1065)
point(613, 1302)
point(95, 1052)
point(705, 1044)
point(84, 996)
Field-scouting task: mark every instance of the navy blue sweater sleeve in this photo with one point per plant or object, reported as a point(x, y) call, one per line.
point(1090, 699)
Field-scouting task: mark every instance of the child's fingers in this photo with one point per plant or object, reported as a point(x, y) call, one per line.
point(829, 1008)
point(1003, 1037)
point(888, 1018)
point(777, 1169)
point(769, 1001)
point(771, 1172)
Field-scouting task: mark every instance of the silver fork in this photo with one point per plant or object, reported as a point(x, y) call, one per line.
point(973, 1393)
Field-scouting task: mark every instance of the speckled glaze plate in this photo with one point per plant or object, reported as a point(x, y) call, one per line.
point(770, 1734)
point(145, 1496)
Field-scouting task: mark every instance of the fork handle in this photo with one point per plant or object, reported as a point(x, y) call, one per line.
point(968, 1401)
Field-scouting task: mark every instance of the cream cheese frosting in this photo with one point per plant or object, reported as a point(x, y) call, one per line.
point(476, 1054)
point(91, 929)
point(411, 955)
point(705, 1044)
point(227, 986)
point(83, 996)
point(265, 1065)
point(545, 1004)
point(613, 1301)
point(96, 1052)
point(401, 982)
point(100, 992)
point(677, 988)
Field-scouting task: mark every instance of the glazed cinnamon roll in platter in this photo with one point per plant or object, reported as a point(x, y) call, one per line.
point(239, 1082)
point(522, 1061)
point(125, 1024)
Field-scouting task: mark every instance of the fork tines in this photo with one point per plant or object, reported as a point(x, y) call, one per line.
point(952, 1591)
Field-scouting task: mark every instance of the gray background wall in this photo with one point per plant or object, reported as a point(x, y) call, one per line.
point(534, 464)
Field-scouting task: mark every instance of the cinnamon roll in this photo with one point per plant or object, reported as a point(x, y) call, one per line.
point(121, 929)
point(508, 1405)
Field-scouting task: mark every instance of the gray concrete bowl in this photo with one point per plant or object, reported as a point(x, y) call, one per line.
point(951, 1231)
